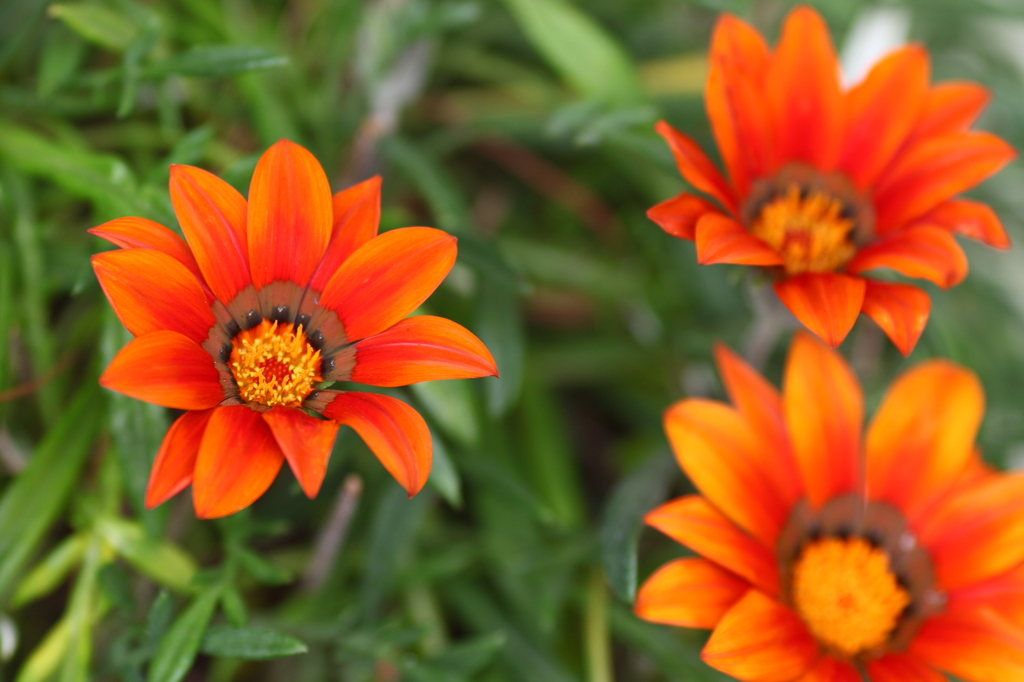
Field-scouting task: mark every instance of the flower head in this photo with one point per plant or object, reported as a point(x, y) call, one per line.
point(262, 304)
point(824, 555)
point(826, 184)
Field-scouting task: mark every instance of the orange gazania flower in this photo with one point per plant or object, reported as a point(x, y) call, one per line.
point(825, 556)
point(263, 303)
point(825, 185)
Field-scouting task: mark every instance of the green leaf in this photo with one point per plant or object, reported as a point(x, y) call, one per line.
point(451, 403)
point(432, 180)
point(131, 65)
point(97, 24)
point(62, 55)
point(394, 527)
point(159, 559)
point(217, 60)
point(178, 648)
point(158, 619)
point(579, 49)
point(444, 477)
point(252, 644)
point(262, 570)
point(31, 503)
point(471, 656)
point(500, 326)
point(51, 571)
point(623, 516)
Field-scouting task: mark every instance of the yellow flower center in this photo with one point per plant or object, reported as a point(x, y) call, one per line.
point(808, 230)
point(274, 364)
point(846, 593)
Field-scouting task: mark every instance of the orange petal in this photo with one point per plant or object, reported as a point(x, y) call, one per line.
point(723, 240)
point(1003, 594)
point(803, 95)
point(882, 110)
point(976, 533)
point(290, 215)
point(761, 406)
point(829, 669)
point(165, 368)
point(922, 434)
point(902, 668)
point(356, 212)
point(760, 640)
point(151, 291)
point(933, 170)
point(139, 233)
point(696, 167)
point(971, 219)
point(826, 303)
point(176, 459)
point(739, 48)
point(900, 310)
point(923, 252)
point(977, 646)
point(388, 278)
point(395, 432)
point(951, 108)
point(693, 522)
point(729, 464)
point(212, 216)
point(238, 460)
point(689, 593)
point(679, 215)
point(421, 348)
point(306, 443)
point(824, 410)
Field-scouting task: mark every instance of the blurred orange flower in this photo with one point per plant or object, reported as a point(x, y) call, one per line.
point(241, 323)
point(825, 184)
point(824, 556)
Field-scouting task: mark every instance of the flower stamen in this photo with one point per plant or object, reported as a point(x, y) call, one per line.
point(273, 364)
point(808, 229)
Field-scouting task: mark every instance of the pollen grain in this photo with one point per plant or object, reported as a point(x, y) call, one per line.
point(807, 229)
point(273, 364)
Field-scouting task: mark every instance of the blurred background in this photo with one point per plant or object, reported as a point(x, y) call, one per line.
point(525, 128)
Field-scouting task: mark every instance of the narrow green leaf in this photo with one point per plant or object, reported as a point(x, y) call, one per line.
point(160, 560)
point(250, 643)
point(472, 655)
point(82, 606)
point(579, 49)
point(233, 605)
point(394, 527)
point(432, 180)
point(500, 326)
point(262, 570)
point(51, 571)
point(444, 477)
point(452, 405)
point(178, 648)
point(6, 306)
point(97, 24)
point(131, 64)
point(623, 516)
point(217, 60)
point(62, 55)
point(158, 619)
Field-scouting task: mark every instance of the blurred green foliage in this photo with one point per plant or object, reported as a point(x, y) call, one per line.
point(524, 127)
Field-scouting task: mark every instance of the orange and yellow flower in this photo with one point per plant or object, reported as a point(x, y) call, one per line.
point(265, 302)
point(826, 184)
point(825, 555)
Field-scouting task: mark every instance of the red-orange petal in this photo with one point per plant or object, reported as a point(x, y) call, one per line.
point(826, 303)
point(971, 219)
point(421, 348)
point(976, 533)
point(212, 216)
point(395, 432)
point(803, 95)
point(882, 110)
point(238, 460)
point(139, 233)
point(824, 410)
point(679, 215)
point(387, 278)
point(356, 212)
point(165, 368)
point(760, 640)
point(723, 240)
point(306, 443)
point(829, 669)
point(290, 215)
point(729, 463)
point(951, 108)
point(902, 668)
point(690, 593)
point(922, 434)
point(923, 252)
point(933, 170)
point(151, 291)
point(1003, 594)
point(901, 310)
point(973, 645)
point(696, 167)
point(693, 522)
point(176, 459)
point(760, 403)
